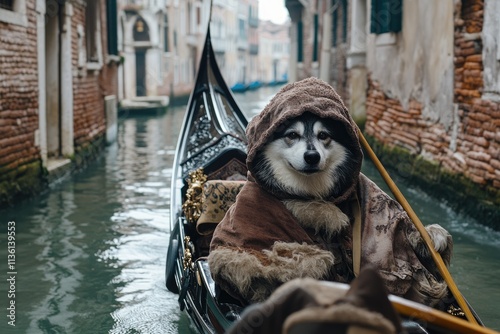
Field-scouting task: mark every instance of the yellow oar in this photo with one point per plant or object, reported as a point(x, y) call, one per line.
point(420, 227)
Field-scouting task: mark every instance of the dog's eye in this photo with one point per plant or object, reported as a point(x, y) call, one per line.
point(292, 135)
point(323, 135)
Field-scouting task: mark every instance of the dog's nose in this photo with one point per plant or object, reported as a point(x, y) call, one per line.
point(311, 157)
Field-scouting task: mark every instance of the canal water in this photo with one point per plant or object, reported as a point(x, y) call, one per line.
point(90, 253)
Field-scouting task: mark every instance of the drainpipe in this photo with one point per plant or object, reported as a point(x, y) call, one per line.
point(326, 45)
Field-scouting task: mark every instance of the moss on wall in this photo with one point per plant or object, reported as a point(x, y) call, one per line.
point(459, 192)
point(31, 179)
point(25, 181)
point(88, 152)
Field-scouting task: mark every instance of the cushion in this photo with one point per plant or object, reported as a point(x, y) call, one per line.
point(217, 197)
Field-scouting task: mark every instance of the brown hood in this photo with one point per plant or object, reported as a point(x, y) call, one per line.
point(309, 95)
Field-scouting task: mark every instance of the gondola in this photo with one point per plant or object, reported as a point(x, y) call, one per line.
point(211, 149)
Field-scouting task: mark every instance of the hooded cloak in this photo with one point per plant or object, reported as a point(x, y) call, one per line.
point(260, 244)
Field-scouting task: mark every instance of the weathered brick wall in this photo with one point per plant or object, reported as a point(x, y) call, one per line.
point(21, 170)
point(19, 156)
point(473, 151)
point(89, 86)
point(480, 118)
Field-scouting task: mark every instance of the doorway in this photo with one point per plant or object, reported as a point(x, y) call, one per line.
point(52, 84)
point(140, 68)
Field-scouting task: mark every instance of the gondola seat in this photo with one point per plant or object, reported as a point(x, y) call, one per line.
point(217, 197)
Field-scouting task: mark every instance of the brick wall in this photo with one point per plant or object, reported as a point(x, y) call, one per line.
point(473, 151)
point(19, 155)
point(90, 86)
point(21, 170)
point(480, 118)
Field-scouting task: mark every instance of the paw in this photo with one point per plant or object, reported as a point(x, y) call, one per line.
point(441, 238)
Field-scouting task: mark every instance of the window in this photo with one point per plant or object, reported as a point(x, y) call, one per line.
point(386, 16)
point(315, 42)
point(242, 30)
point(7, 4)
point(344, 21)
point(342, 10)
point(300, 39)
point(141, 30)
point(112, 25)
point(91, 20)
point(335, 22)
point(165, 34)
point(13, 12)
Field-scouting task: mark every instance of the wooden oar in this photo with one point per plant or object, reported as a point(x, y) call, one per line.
point(420, 227)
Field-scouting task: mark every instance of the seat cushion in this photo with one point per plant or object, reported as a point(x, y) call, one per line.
point(218, 196)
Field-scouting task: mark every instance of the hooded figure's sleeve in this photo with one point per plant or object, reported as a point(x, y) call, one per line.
point(385, 237)
point(259, 245)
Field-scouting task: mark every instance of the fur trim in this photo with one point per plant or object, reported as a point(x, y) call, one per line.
point(345, 314)
point(319, 215)
point(256, 275)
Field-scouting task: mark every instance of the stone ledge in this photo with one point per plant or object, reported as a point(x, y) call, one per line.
point(58, 168)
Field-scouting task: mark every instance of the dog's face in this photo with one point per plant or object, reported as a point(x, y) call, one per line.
point(305, 158)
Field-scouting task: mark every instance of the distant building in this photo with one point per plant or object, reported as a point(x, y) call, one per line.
point(274, 52)
point(224, 32)
point(161, 42)
point(253, 41)
point(58, 74)
point(423, 76)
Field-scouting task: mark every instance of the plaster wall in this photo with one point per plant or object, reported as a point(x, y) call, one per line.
point(491, 50)
point(417, 63)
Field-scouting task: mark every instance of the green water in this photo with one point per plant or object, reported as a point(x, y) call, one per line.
point(90, 254)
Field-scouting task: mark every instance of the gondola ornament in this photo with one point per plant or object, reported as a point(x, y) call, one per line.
point(193, 203)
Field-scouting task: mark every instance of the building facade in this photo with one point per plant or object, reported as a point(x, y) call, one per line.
point(424, 78)
point(161, 42)
point(274, 52)
point(58, 68)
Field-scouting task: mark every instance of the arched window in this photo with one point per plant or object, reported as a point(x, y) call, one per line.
point(141, 30)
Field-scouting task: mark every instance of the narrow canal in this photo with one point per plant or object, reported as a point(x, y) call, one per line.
point(90, 253)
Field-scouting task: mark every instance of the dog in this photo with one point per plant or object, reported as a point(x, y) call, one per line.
point(310, 158)
point(295, 215)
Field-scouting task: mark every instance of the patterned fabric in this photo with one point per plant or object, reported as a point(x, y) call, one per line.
point(218, 196)
point(233, 170)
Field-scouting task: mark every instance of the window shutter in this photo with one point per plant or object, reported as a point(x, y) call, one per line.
point(386, 16)
point(300, 39)
point(112, 25)
point(315, 45)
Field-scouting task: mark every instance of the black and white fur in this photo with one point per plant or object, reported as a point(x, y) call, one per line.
point(309, 160)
